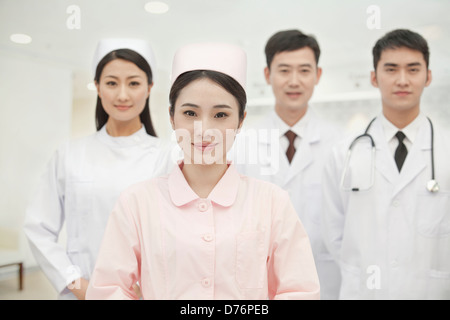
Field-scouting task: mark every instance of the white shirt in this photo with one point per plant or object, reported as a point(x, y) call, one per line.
point(410, 132)
point(298, 128)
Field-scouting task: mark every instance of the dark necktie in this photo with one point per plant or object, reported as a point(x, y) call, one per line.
point(291, 149)
point(401, 152)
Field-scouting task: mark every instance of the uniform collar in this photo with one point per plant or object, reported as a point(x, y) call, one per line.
point(410, 130)
point(224, 193)
point(299, 128)
point(137, 138)
point(306, 128)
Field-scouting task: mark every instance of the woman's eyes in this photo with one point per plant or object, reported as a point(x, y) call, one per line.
point(220, 115)
point(191, 113)
point(131, 84)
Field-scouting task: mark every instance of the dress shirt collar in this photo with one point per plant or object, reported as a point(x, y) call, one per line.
point(224, 193)
point(410, 130)
point(299, 128)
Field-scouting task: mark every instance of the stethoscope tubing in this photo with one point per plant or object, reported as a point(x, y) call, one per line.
point(372, 141)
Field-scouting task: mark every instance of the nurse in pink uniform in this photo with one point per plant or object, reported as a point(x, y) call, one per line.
point(204, 231)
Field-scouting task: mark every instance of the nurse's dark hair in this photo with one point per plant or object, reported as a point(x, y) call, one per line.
point(223, 80)
point(400, 38)
point(101, 117)
point(290, 40)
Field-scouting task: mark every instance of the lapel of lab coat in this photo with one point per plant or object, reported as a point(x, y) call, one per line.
point(384, 161)
point(416, 160)
point(414, 163)
point(284, 171)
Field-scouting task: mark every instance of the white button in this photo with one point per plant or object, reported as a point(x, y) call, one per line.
point(394, 263)
point(206, 282)
point(395, 203)
point(202, 206)
point(137, 139)
point(208, 237)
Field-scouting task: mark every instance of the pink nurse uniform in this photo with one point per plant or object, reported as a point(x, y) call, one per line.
point(244, 241)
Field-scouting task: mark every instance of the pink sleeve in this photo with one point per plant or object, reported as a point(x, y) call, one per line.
point(118, 261)
point(291, 268)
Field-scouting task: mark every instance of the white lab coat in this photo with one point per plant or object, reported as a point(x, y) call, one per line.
point(302, 179)
point(80, 187)
point(393, 240)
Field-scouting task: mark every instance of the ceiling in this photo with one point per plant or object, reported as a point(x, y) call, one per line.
point(341, 28)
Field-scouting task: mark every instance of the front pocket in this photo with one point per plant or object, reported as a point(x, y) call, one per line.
point(438, 287)
point(433, 214)
point(351, 282)
point(250, 260)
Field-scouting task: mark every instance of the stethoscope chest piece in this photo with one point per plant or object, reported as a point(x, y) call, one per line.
point(433, 186)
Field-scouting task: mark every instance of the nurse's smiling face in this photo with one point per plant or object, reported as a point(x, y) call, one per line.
point(206, 119)
point(123, 89)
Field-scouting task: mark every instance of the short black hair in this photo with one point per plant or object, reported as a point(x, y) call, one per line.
point(290, 40)
point(400, 38)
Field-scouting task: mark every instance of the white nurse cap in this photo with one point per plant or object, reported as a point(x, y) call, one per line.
point(222, 57)
point(142, 47)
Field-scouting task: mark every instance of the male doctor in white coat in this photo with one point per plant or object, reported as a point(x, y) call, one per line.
point(390, 231)
point(265, 151)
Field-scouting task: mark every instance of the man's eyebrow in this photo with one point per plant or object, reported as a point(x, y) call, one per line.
point(412, 64)
point(284, 65)
point(389, 64)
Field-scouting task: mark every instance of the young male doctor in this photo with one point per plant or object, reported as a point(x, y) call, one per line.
point(292, 142)
point(389, 228)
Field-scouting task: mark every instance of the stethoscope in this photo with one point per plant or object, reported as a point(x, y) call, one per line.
point(432, 185)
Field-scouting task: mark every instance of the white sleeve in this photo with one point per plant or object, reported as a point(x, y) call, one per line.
point(43, 222)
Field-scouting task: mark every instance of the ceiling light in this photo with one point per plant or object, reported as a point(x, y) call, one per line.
point(20, 38)
point(156, 7)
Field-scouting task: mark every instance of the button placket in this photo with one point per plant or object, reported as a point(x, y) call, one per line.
point(207, 238)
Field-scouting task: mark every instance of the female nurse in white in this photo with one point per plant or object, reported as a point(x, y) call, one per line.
point(84, 177)
point(204, 231)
